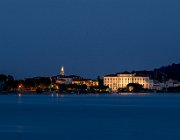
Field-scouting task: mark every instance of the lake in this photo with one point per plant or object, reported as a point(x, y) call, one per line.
point(90, 117)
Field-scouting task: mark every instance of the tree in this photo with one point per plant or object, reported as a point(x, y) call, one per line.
point(37, 82)
point(11, 85)
point(10, 78)
point(3, 77)
point(100, 81)
point(134, 87)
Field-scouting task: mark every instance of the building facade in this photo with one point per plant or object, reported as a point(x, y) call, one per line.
point(72, 79)
point(87, 82)
point(122, 80)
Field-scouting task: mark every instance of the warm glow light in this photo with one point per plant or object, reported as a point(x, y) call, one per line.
point(20, 86)
point(19, 94)
point(57, 87)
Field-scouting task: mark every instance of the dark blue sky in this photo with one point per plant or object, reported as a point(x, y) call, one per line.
point(88, 37)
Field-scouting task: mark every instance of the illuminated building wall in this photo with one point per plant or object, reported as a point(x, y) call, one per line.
point(64, 80)
point(85, 82)
point(122, 80)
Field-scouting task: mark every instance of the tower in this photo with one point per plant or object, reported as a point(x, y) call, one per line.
point(62, 71)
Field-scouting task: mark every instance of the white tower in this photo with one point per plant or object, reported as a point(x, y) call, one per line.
point(62, 71)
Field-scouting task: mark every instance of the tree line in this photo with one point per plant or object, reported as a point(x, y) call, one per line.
point(46, 84)
point(163, 73)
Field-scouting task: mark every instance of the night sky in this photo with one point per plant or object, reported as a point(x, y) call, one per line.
point(88, 37)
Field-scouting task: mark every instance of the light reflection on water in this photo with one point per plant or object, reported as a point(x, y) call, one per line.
point(80, 117)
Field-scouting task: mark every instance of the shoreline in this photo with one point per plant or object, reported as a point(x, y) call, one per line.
point(68, 93)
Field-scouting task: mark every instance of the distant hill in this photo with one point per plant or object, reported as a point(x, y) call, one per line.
point(163, 73)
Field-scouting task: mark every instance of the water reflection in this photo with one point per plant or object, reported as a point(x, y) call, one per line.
point(19, 98)
point(90, 117)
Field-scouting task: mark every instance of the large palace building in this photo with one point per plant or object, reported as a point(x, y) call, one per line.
point(117, 81)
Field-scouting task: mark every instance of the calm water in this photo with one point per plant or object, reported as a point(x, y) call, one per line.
point(104, 117)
